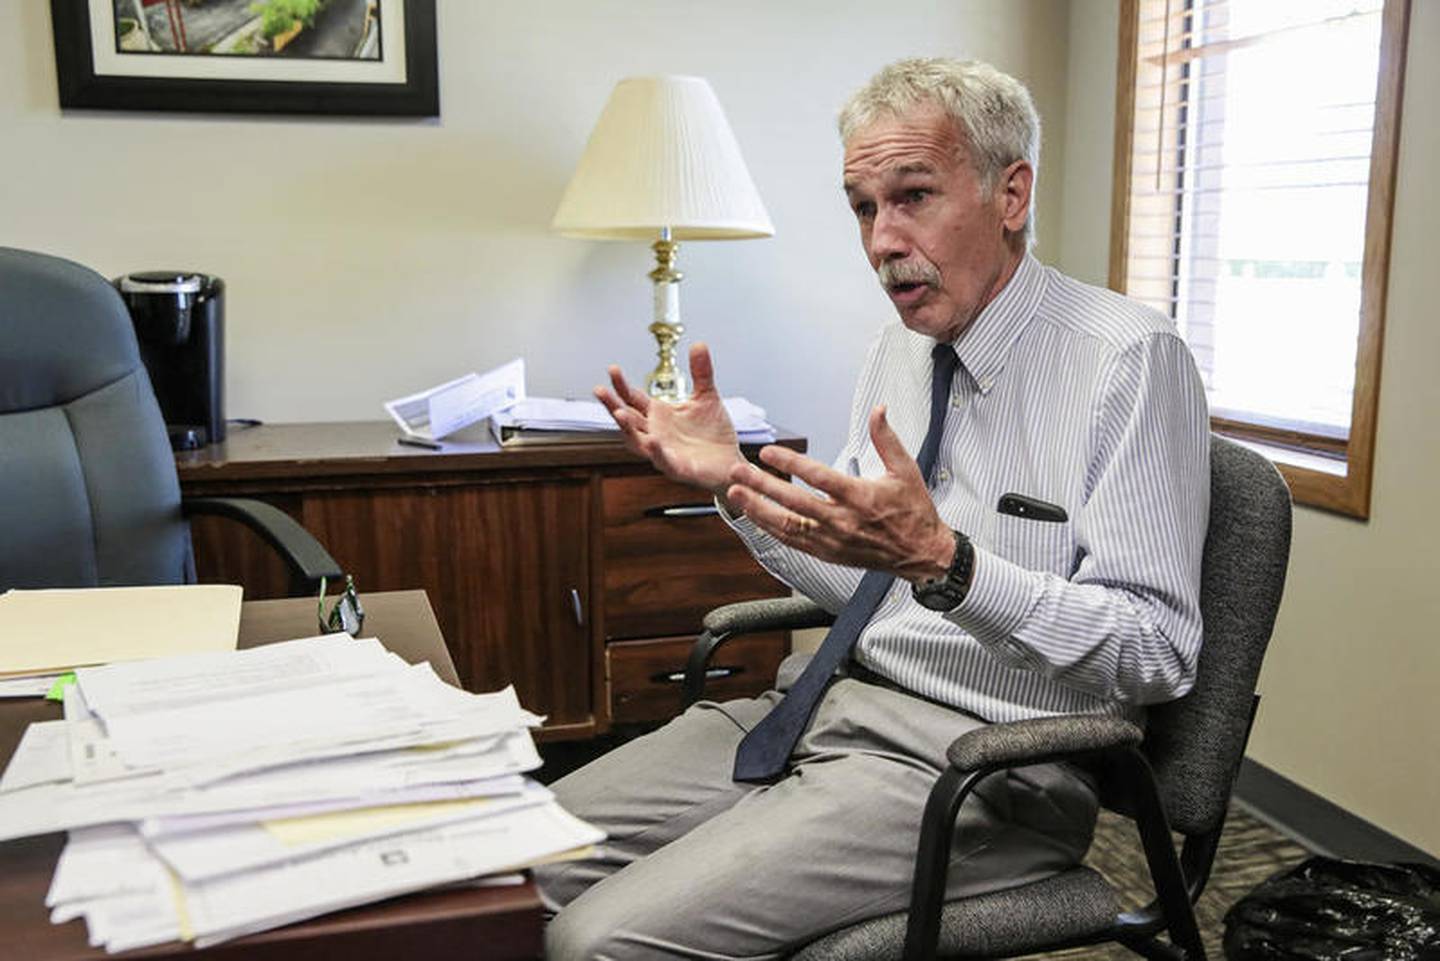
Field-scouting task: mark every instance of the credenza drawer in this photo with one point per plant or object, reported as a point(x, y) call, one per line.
point(669, 558)
point(646, 676)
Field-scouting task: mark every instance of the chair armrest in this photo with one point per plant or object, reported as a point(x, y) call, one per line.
point(746, 617)
point(1040, 740)
point(976, 754)
point(770, 614)
point(307, 560)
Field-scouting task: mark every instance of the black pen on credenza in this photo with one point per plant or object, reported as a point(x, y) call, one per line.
point(420, 442)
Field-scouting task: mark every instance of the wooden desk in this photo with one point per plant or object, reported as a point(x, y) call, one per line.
point(463, 925)
point(556, 568)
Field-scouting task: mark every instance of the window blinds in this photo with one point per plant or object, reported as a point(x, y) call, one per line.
point(1250, 159)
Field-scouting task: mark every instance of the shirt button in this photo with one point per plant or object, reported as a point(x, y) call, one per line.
point(942, 475)
point(985, 383)
point(957, 402)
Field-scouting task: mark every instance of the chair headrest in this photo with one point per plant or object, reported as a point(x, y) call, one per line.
point(64, 331)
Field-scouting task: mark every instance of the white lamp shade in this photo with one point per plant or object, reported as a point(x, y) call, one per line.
point(662, 155)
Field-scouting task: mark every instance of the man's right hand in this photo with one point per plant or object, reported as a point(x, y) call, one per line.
point(692, 441)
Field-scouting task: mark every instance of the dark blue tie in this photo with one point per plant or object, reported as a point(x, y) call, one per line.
point(763, 752)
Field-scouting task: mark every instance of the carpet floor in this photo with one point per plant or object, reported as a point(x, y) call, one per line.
point(1250, 851)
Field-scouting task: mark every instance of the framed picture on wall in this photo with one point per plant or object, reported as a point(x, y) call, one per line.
point(374, 57)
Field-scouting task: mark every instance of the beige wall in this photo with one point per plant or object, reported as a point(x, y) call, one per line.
point(366, 259)
point(1350, 681)
point(1089, 135)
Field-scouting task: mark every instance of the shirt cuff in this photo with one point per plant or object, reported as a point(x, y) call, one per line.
point(1001, 596)
point(758, 540)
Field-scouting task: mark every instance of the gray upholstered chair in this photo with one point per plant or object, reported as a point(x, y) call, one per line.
point(88, 491)
point(1175, 775)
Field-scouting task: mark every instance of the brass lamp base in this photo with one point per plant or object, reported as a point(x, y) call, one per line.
point(666, 382)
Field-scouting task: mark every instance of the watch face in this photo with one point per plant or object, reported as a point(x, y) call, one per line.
point(938, 597)
point(947, 593)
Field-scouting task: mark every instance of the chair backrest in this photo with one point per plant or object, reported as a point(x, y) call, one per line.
point(88, 490)
point(1196, 743)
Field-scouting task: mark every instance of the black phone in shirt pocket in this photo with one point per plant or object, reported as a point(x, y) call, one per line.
point(1031, 508)
point(1033, 534)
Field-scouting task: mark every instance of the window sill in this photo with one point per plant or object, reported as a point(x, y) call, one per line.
point(1321, 482)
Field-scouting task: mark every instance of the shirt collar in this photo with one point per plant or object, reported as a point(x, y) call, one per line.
point(984, 345)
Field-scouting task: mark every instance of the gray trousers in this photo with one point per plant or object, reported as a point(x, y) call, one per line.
point(699, 866)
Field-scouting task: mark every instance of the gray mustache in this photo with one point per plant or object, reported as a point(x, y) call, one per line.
point(893, 272)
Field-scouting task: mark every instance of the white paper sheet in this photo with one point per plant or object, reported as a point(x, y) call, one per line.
point(101, 862)
point(197, 679)
point(293, 722)
point(44, 808)
point(33, 685)
point(154, 827)
point(203, 855)
point(440, 411)
point(93, 757)
point(552, 413)
point(537, 418)
point(128, 899)
point(240, 904)
point(42, 757)
point(446, 726)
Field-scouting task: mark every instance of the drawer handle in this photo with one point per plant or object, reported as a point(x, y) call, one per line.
point(711, 674)
point(677, 511)
point(576, 609)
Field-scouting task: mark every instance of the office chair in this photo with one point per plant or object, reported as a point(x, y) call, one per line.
point(88, 491)
point(1175, 775)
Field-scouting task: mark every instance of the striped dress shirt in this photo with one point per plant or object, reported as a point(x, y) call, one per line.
point(1079, 397)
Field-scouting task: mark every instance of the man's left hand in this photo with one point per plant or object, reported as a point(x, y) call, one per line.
point(887, 523)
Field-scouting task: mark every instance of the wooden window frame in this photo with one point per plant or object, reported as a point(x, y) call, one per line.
point(1345, 488)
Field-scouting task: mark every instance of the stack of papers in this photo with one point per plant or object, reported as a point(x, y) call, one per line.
point(210, 796)
point(546, 420)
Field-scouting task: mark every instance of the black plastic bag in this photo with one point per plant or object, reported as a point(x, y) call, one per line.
point(1329, 910)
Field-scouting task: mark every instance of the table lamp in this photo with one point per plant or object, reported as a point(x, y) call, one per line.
point(663, 163)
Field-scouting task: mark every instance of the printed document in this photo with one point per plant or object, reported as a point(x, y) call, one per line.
point(441, 411)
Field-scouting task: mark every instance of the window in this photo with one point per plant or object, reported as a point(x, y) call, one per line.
point(1255, 163)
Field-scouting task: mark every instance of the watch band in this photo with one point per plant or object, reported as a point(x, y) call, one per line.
point(948, 592)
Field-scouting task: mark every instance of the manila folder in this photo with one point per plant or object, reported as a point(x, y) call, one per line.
point(57, 629)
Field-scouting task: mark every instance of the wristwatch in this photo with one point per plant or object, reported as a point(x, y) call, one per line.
point(947, 592)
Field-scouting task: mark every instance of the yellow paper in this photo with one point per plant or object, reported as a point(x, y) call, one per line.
point(45, 631)
point(574, 854)
point(361, 822)
point(182, 907)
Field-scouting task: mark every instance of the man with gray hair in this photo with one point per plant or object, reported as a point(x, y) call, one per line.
point(1013, 530)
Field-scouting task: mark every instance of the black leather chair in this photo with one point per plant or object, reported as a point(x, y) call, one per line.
point(88, 491)
point(1176, 775)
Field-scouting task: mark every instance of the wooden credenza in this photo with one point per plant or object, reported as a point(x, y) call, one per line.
point(575, 572)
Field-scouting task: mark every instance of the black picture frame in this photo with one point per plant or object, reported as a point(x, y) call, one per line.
point(82, 88)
